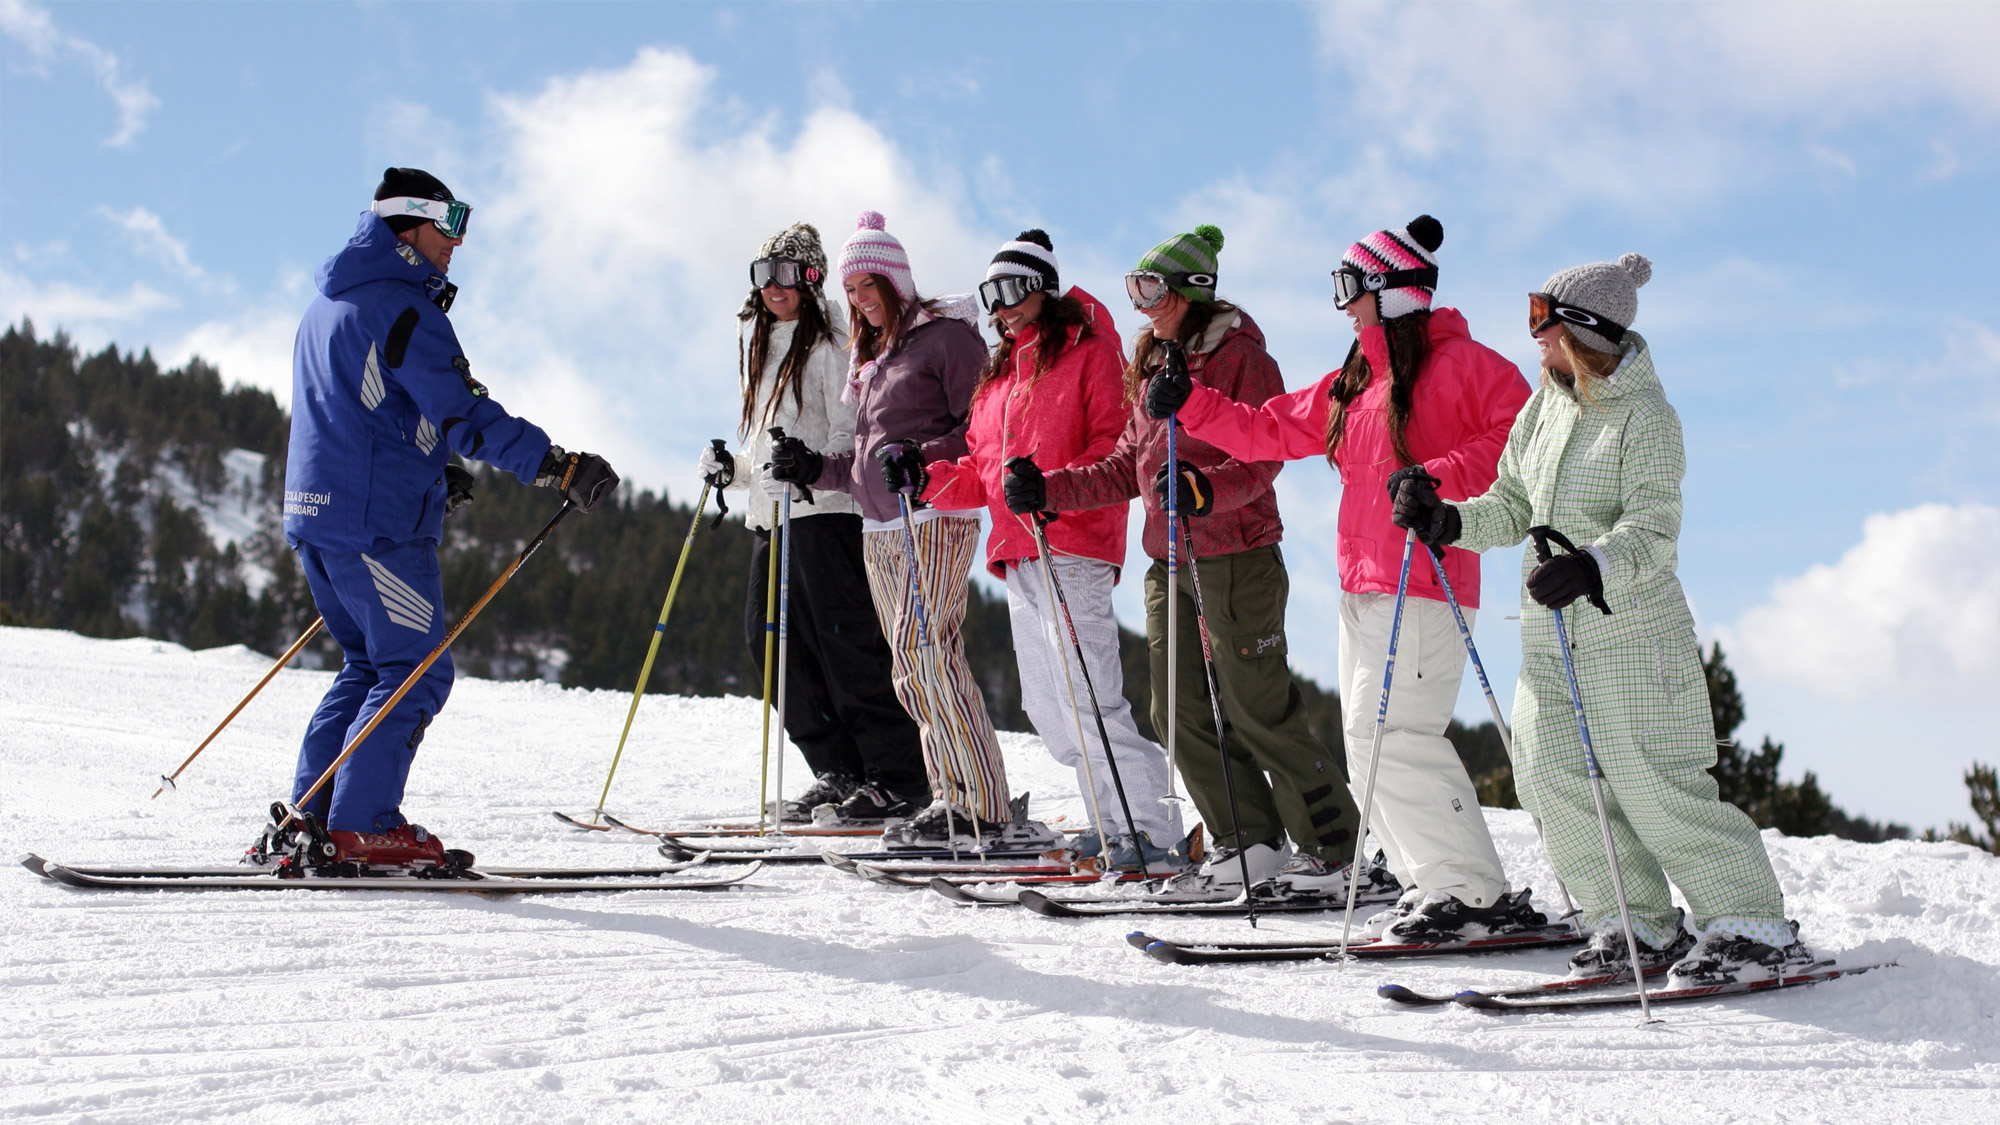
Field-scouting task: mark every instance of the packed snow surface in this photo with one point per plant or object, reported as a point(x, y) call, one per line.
point(810, 995)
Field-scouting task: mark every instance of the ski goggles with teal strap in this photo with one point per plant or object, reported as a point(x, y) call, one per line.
point(448, 215)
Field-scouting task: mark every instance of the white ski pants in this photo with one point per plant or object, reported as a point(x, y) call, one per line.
point(1042, 649)
point(1426, 811)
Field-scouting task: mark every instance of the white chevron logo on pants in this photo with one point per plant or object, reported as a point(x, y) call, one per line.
point(406, 607)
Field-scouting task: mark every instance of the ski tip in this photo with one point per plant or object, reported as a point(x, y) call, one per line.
point(1164, 953)
point(35, 863)
point(1139, 939)
point(575, 823)
point(837, 861)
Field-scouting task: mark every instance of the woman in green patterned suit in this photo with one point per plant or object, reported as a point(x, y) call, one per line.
point(1596, 454)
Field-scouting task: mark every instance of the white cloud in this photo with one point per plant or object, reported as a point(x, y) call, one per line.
point(605, 269)
point(31, 27)
point(60, 304)
point(150, 235)
point(1913, 608)
point(1641, 106)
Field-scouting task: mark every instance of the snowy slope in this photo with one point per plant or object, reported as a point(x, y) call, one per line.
point(812, 996)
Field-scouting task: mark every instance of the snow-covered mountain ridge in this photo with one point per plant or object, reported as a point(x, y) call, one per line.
point(811, 995)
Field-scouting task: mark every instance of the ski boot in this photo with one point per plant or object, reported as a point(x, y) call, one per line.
point(1379, 922)
point(1124, 858)
point(1722, 957)
point(1441, 917)
point(1221, 871)
point(1308, 876)
point(1608, 953)
point(829, 790)
point(407, 849)
point(1018, 833)
point(873, 804)
point(939, 826)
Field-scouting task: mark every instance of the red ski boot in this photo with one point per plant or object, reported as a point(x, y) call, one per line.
point(409, 846)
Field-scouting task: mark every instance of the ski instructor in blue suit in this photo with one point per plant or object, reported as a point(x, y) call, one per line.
point(382, 396)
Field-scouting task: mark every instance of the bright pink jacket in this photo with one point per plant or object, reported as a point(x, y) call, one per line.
point(1071, 415)
point(1465, 401)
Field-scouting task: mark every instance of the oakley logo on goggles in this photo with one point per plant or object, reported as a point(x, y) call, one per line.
point(448, 215)
point(1006, 292)
point(1544, 311)
point(785, 273)
point(1349, 284)
point(1148, 288)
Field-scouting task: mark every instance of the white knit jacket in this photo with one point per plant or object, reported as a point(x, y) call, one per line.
point(823, 422)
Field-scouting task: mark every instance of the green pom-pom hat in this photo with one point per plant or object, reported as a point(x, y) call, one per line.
point(1192, 253)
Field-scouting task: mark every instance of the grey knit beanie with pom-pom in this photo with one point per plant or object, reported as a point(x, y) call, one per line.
point(1609, 289)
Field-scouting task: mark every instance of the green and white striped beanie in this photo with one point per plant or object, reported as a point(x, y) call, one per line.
point(1190, 254)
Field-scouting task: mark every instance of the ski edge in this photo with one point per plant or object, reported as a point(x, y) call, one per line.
point(1493, 1003)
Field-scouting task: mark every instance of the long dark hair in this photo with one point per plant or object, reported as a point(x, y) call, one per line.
point(812, 328)
point(1057, 317)
point(1147, 353)
point(1409, 343)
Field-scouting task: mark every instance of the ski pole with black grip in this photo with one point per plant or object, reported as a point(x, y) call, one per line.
point(1173, 606)
point(1076, 644)
point(1570, 912)
point(660, 626)
point(1375, 752)
point(1542, 536)
point(292, 813)
point(1215, 706)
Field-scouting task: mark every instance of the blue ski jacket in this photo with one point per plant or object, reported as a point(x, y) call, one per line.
point(381, 396)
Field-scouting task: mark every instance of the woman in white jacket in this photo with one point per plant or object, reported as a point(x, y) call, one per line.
point(840, 708)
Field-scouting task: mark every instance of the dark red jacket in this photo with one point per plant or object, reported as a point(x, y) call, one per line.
point(1230, 358)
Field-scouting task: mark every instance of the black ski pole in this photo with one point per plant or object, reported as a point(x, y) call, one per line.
point(1215, 703)
point(1097, 711)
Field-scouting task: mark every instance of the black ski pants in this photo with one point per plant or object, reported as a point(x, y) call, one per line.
point(840, 708)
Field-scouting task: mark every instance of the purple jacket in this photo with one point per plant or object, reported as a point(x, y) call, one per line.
point(920, 391)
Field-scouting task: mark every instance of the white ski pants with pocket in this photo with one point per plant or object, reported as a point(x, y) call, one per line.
point(1426, 811)
point(1042, 649)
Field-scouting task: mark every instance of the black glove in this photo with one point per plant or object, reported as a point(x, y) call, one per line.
point(584, 479)
point(1026, 489)
point(903, 467)
point(717, 465)
point(1168, 390)
point(457, 488)
point(1193, 493)
point(1565, 578)
point(795, 462)
point(1414, 494)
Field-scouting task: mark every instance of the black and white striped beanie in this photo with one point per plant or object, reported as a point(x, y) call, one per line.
point(1031, 254)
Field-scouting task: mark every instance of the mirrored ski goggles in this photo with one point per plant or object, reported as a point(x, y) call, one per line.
point(1148, 288)
point(1544, 311)
point(1005, 292)
point(1350, 284)
point(785, 273)
point(448, 215)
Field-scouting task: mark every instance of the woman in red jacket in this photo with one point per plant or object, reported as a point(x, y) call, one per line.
point(1443, 403)
point(1054, 392)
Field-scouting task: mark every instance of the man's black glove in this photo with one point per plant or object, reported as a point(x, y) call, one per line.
point(717, 464)
point(1192, 493)
point(795, 462)
point(1565, 578)
point(1168, 390)
point(457, 488)
point(584, 479)
point(903, 467)
point(1414, 494)
point(1026, 489)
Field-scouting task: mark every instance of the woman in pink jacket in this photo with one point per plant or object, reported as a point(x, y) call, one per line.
point(1054, 392)
point(1445, 403)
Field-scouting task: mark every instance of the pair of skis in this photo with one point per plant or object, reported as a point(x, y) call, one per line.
point(486, 880)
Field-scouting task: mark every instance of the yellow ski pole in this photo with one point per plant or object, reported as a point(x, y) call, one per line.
point(770, 644)
point(653, 649)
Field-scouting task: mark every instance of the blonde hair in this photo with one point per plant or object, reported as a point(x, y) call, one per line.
point(1588, 364)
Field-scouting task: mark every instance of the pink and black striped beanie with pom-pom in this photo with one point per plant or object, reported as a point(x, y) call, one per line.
point(872, 249)
point(1390, 251)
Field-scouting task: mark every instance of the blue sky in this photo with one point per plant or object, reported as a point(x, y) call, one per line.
point(1814, 184)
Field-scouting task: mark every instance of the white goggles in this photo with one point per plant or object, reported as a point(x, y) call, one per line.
point(448, 215)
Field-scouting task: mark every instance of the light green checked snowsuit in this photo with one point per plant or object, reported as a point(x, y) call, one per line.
point(1608, 475)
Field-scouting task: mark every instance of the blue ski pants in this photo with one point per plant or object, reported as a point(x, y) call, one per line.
point(384, 607)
